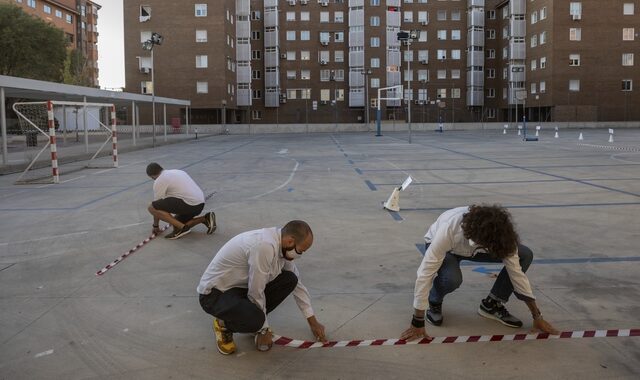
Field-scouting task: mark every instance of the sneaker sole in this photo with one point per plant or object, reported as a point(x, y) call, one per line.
point(491, 316)
point(434, 323)
point(179, 235)
point(211, 217)
point(218, 347)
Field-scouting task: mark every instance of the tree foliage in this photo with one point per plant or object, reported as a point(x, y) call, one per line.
point(76, 69)
point(29, 46)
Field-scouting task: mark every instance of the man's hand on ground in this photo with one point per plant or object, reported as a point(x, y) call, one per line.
point(544, 326)
point(413, 333)
point(317, 329)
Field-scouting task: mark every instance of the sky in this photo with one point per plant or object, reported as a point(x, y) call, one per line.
point(110, 44)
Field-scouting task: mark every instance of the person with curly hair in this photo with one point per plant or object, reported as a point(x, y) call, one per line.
point(481, 233)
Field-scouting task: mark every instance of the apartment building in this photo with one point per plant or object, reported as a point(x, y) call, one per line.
point(325, 61)
point(77, 18)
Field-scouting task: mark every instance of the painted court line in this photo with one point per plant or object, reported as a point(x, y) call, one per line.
point(304, 344)
point(535, 206)
point(372, 187)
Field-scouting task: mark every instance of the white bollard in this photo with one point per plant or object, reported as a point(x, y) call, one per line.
point(537, 130)
point(504, 131)
point(556, 135)
point(610, 135)
point(580, 138)
point(519, 130)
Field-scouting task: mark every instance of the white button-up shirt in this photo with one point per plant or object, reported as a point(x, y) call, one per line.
point(251, 260)
point(446, 235)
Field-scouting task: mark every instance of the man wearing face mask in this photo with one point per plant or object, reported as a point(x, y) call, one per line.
point(481, 233)
point(249, 277)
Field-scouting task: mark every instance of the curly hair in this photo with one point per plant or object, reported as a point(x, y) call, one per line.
point(491, 227)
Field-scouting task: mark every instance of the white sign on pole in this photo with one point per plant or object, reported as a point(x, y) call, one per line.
point(406, 183)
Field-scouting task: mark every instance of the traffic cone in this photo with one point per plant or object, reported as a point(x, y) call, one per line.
point(610, 138)
point(393, 203)
point(556, 135)
point(580, 138)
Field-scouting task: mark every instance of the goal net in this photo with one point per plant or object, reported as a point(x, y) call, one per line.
point(85, 128)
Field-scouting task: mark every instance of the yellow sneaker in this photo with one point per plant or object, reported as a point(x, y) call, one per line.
point(224, 338)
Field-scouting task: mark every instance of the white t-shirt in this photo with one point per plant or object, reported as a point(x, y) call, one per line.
point(251, 260)
point(177, 184)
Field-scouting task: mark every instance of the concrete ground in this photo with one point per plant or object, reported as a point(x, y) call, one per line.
point(142, 319)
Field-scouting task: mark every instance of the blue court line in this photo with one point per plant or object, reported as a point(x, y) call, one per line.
point(535, 206)
point(505, 166)
point(350, 161)
point(576, 260)
point(538, 171)
point(505, 182)
point(218, 154)
point(372, 187)
point(395, 215)
point(346, 155)
point(358, 171)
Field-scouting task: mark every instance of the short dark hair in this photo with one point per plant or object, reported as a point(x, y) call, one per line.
point(154, 169)
point(491, 227)
point(299, 229)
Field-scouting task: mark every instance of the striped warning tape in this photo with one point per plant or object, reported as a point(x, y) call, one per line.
point(611, 147)
point(129, 252)
point(288, 342)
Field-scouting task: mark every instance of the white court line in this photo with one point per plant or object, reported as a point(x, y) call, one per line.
point(45, 353)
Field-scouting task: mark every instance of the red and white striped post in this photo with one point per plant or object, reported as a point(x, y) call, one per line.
point(114, 136)
point(52, 142)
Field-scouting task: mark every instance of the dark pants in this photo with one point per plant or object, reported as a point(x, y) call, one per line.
point(449, 276)
point(238, 312)
point(183, 211)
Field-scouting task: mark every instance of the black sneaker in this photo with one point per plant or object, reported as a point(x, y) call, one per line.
point(210, 222)
point(434, 314)
point(492, 309)
point(177, 234)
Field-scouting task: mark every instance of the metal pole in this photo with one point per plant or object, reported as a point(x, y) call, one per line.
point(153, 98)
point(64, 125)
point(409, 87)
point(3, 124)
point(86, 127)
point(164, 111)
point(366, 101)
point(187, 119)
point(378, 115)
point(133, 122)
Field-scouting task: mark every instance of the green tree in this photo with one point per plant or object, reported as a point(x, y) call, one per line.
point(76, 71)
point(30, 47)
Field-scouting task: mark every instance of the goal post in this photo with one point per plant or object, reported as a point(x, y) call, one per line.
point(39, 118)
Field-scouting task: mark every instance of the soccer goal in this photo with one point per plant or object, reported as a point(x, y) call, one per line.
point(43, 119)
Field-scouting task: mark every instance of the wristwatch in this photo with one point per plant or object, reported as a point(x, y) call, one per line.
point(265, 330)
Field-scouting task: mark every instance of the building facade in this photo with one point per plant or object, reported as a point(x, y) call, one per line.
point(77, 18)
point(326, 61)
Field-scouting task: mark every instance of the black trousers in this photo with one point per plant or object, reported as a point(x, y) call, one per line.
point(238, 312)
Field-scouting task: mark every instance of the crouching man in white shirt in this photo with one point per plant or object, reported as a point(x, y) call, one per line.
point(477, 233)
point(249, 277)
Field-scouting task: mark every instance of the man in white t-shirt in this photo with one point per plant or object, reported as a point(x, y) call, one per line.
point(177, 200)
point(249, 277)
point(480, 233)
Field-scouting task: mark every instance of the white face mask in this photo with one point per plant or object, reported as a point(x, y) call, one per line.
point(292, 254)
point(472, 243)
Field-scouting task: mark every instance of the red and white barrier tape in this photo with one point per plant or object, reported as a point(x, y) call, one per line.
point(129, 252)
point(288, 342)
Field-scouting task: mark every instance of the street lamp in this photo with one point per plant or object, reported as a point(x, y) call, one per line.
point(366, 73)
point(156, 39)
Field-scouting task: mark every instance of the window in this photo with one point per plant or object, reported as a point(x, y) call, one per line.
point(575, 34)
point(442, 74)
point(627, 85)
point(627, 59)
point(534, 40)
point(423, 75)
point(375, 3)
point(338, 56)
point(543, 87)
point(291, 55)
point(292, 94)
point(255, 15)
point(442, 15)
point(491, 113)
point(534, 65)
point(58, 13)
point(628, 9)
point(291, 35)
point(255, 54)
point(543, 38)
point(575, 9)
point(442, 54)
point(324, 17)
point(255, 34)
point(455, 15)
point(543, 62)
point(305, 35)
point(408, 55)
point(441, 93)
point(375, 82)
point(256, 114)
point(47, 9)
point(291, 16)
point(574, 59)
point(543, 13)
point(491, 54)
point(628, 34)
point(442, 34)
point(256, 74)
point(338, 36)
point(491, 34)
point(146, 87)
point(534, 17)
point(201, 61)
point(305, 74)
point(291, 74)
point(455, 54)
point(256, 94)
point(304, 16)
point(375, 42)
point(491, 73)
point(491, 92)
point(201, 36)
point(491, 15)
point(201, 10)
point(374, 21)
point(408, 16)
point(455, 74)
point(455, 34)
point(534, 88)
point(68, 18)
point(455, 93)
point(202, 87)
point(375, 62)
point(338, 17)
point(305, 55)
point(31, 3)
point(423, 17)
point(574, 85)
